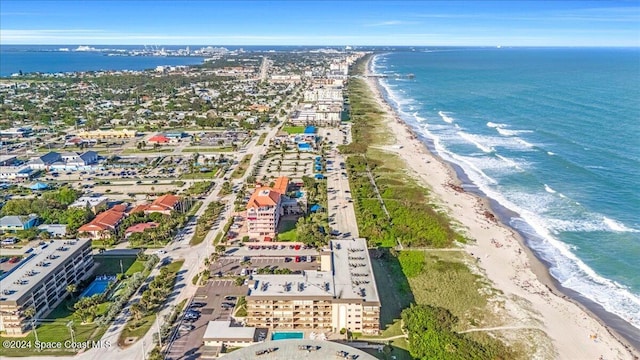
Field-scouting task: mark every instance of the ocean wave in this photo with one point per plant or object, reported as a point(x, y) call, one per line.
point(617, 226)
point(548, 189)
point(445, 117)
point(565, 266)
point(474, 140)
point(550, 153)
point(495, 125)
point(506, 132)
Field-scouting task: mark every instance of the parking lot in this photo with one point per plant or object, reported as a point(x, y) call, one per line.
point(188, 343)
point(233, 267)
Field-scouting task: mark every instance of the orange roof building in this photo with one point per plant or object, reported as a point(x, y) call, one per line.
point(138, 228)
point(105, 222)
point(159, 139)
point(165, 204)
point(265, 208)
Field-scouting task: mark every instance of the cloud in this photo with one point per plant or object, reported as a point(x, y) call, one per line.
point(391, 23)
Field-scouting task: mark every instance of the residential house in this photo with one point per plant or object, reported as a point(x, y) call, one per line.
point(17, 173)
point(18, 222)
point(95, 203)
point(45, 161)
point(165, 204)
point(105, 223)
point(139, 228)
point(55, 230)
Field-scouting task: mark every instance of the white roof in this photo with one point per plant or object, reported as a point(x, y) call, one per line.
point(223, 330)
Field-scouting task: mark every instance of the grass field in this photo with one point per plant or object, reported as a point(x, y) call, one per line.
point(200, 149)
point(110, 265)
point(143, 151)
point(54, 328)
point(287, 231)
point(293, 129)
point(148, 320)
point(242, 167)
point(200, 175)
point(261, 139)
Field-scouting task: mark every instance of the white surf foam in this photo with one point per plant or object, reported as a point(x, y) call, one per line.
point(570, 271)
point(475, 141)
point(506, 132)
point(445, 117)
point(550, 153)
point(495, 125)
point(617, 226)
point(548, 189)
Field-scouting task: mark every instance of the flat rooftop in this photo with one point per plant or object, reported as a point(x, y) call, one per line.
point(223, 330)
point(353, 274)
point(312, 283)
point(38, 263)
point(351, 277)
point(289, 350)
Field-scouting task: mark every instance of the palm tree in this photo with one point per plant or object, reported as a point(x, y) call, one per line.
point(29, 312)
point(72, 288)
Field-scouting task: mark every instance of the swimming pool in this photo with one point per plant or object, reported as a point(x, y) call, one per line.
point(96, 287)
point(287, 335)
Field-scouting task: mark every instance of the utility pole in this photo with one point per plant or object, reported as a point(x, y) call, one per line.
point(144, 354)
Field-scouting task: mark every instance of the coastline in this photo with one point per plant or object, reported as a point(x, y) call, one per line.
point(533, 297)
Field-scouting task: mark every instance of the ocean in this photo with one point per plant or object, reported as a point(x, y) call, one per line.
point(46, 59)
point(551, 134)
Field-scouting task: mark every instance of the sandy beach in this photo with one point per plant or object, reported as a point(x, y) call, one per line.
point(531, 301)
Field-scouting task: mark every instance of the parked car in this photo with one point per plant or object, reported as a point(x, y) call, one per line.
point(297, 258)
point(230, 298)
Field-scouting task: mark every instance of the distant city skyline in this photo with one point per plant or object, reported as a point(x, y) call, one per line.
point(417, 23)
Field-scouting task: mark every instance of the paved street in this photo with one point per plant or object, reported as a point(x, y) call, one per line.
point(188, 342)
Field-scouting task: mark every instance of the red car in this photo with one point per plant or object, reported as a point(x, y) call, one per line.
point(297, 258)
point(297, 247)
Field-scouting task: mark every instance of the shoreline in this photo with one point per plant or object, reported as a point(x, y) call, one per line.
point(575, 329)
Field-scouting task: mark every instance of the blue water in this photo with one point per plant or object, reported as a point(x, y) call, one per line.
point(15, 58)
point(96, 287)
point(551, 134)
point(287, 335)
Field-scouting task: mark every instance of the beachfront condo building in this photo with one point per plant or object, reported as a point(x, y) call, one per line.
point(342, 295)
point(265, 208)
point(40, 281)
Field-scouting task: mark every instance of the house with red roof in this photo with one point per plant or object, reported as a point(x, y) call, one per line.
point(165, 204)
point(105, 223)
point(139, 228)
point(158, 139)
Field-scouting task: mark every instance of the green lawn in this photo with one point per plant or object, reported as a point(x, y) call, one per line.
point(148, 320)
point(242, 167)
point(261, 139)
point(54, 329)
point(293, 129)
point(137, 266)
point(287, 230)
point(110, 265)
point(200, 175)
point(199, 149)
point(149, 150)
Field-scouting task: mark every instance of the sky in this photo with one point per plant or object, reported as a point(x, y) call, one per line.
point(417, 23)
